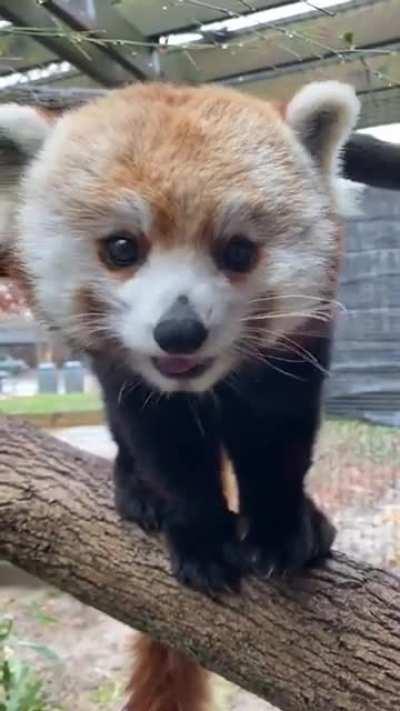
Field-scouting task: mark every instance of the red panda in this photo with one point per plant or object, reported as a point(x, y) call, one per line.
point(187, 239)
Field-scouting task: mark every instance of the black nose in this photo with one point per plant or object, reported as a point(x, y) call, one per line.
point(180, 330)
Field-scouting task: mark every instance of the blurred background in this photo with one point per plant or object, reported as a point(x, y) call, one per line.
point(60, 53)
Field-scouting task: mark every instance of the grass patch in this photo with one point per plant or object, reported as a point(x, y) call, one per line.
point(21, 689)
point(367, 443)
point(49, 404)
point(110, 692)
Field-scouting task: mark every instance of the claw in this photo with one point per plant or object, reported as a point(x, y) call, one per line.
point(267, 553)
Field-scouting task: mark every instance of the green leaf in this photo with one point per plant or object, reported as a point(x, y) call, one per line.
point(6, 677)
point(6, 624)
point(348, 37)
point(25, 692)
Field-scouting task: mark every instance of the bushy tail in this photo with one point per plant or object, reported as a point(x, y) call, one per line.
point(165, 680)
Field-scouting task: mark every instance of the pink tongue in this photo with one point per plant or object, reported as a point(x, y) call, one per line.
point(175, 365)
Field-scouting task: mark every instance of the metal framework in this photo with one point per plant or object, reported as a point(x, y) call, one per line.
point(266, 47)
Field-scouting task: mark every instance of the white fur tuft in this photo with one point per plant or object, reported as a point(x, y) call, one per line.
point(324, 96)
point(24, 126)
point(348, 195)
point(323, 114)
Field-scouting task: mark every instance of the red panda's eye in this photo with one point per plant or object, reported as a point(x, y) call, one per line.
point(120, 250)
point(238, 255)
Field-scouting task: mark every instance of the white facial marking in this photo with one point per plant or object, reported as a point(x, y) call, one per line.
point(152, 291)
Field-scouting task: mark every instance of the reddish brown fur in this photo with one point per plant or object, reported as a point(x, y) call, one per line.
point(12, 270)
point(5, 264)
point(175, 159)
point(165, 680)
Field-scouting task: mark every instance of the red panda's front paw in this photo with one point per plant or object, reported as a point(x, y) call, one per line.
point(289, 546)
point(206, 557)
point(136, 502)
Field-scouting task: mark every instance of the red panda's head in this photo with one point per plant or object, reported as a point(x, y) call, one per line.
point(185, 229)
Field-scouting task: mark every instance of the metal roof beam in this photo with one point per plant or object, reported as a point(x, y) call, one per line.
point(160, 17)
point(131, 49)
point(87, 57)
point(353, 27)
point(380, 95)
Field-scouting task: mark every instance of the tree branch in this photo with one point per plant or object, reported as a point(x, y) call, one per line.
point(328, 639)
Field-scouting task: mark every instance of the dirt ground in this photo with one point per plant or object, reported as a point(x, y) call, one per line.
point(356, 478)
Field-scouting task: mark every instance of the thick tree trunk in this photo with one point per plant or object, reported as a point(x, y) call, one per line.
point(327, 640)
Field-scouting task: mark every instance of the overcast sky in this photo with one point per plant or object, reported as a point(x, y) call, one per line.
point(391, 132)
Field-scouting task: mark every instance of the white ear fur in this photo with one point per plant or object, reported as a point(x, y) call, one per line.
point(348, 196)
point(23, 130)
point(24, 127)
point(323, 114)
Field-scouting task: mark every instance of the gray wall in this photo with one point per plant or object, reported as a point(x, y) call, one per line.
point(365, 379)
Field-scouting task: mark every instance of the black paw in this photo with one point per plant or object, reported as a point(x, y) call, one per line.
point(205, 555)
point(138, 503)
point(283, 548)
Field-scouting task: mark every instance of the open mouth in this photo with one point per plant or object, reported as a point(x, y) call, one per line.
point(181, 366)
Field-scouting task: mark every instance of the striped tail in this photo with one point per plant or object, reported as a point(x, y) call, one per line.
point(165, 680)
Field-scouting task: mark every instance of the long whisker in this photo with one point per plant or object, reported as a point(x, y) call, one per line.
point(317, 315)
point(196, 416)
point(291, 346)
point(320, 336)
point(133, 386)
point(283, 372)
point(91, 324)
point(330, 302)
point(121, 391)
point(148, 399)
point(264, 359)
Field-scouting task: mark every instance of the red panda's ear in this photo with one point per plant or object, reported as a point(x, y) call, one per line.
point(22, 132)
point(323, 114)
point(23, 129)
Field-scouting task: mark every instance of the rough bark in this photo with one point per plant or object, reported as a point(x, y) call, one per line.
point(328, 639)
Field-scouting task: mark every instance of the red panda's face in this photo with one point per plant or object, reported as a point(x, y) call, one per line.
point(186, 229)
